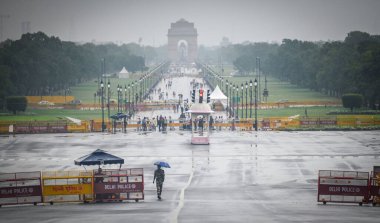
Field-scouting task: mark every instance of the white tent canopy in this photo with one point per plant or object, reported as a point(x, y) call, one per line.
point(123, 73)
point(217, 94)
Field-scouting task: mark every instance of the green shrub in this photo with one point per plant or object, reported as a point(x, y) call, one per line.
point(352, 101)
point(16, 103)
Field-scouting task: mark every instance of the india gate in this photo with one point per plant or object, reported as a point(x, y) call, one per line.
point(182, 42)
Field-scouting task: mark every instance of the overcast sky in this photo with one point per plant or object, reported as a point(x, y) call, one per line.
point(239, 20)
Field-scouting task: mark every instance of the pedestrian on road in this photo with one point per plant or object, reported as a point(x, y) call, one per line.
point(159, 177)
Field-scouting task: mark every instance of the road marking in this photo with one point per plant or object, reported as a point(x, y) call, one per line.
point(175, 213)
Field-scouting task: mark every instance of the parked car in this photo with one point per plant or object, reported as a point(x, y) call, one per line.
point(45, 103)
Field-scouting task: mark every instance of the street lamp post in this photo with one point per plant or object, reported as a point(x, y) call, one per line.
point(237, 101)
point(118, 98)
point(121, 98)
point(140, 90)
point(242, 100)
point(246, 99)
point(255, 83)
point(108, 99)
point(233, 101)
point(125, 98)
point(230, 99)
point(102, 95)
point(227, 106)
point(129, 99)
point(250, 99)
point(133, 97)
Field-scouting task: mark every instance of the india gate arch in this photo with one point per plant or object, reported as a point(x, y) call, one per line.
point(182, 42)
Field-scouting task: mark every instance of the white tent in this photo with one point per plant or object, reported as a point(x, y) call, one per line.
point(217, 94)
point(123, 73)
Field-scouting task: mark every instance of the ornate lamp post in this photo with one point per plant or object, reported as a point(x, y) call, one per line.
point(233, 100)
point(246, 99)
point(108, 99)
point(125, 98)
point(102, 95)
point(242, 100)
point(121, 98)
point(230, 99)
point(228, 107)
point(118, 98)
point(129, 99)
point(250, 100)
point(140, 90)
point(133, 97)
point(237, 101)
point(255, 83)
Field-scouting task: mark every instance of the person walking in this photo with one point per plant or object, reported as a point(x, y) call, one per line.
point(159, 177)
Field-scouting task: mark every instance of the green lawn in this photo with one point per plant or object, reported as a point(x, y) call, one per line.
point(51, 115)
point(85, 91)
point(279, 90)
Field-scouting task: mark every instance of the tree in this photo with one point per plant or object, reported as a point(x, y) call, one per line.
point(352, 101)
point(16, 103)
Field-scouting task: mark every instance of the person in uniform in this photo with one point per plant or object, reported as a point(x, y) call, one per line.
point(159, 177)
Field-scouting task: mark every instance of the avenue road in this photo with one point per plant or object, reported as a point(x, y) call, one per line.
point(239, 177)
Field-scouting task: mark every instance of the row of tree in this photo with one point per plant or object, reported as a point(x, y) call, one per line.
point(334, 68)
point(38, 64)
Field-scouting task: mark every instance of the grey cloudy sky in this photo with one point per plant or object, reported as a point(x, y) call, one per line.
point(239, 20)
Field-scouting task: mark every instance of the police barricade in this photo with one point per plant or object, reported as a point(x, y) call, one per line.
point(375, 185)
point(20, 188)
point(343, 186)
point(67, 186)
point(119, 185)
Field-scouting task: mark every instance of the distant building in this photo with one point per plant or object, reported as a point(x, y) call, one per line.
point(182, 42)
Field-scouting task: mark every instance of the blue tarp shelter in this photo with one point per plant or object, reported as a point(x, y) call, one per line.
point(98, 157)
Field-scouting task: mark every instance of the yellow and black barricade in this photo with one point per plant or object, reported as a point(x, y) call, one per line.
point(67, 186)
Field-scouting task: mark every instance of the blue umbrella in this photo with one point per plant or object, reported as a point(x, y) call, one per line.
point(162, 164)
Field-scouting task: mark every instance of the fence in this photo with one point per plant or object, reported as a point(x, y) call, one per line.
point(67, 186)
point(343, 186)
point(71, 186)
point(52, 99)
point(271, 123)
point(375, 185)
point(118, 185)
point(20, 188)
point(36, 127)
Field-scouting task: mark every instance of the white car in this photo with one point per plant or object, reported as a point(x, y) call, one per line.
point(45, 103)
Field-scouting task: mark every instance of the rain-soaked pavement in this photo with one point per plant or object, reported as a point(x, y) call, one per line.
point(239, 177)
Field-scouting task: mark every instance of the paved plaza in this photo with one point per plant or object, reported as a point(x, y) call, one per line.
point(239, 177)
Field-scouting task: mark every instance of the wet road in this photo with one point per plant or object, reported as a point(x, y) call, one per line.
point(239, 177)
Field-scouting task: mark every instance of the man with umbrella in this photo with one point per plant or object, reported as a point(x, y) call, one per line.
point(159, 177)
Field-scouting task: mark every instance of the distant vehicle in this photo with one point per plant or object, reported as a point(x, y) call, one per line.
point(45, 103)
point(75, 102)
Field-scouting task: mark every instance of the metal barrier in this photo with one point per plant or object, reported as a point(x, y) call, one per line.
point(67, 186)
point(119, 185)
point(20, 188)
point(343, 186)
point(375, 185)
